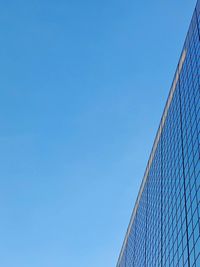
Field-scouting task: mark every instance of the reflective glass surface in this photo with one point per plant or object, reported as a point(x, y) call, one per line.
point(165, 230)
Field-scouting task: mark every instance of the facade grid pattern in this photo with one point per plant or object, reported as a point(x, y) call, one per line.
point(165, 228)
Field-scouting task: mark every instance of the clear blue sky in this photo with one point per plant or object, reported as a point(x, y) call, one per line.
point(82, 89)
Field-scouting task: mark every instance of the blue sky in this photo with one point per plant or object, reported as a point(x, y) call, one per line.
point(82, 85)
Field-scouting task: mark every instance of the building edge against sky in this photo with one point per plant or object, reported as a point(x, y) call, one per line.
point(175, 86)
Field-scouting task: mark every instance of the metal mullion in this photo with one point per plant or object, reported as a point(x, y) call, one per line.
point(184, 177)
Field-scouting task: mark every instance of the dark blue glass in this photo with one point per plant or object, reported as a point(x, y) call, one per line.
point(165, 225)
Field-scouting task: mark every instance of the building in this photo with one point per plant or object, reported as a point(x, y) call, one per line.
point(165, 225)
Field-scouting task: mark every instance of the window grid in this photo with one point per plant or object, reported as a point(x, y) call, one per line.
point(166, 227)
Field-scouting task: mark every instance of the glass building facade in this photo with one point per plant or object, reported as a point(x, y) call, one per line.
point(165, 225)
